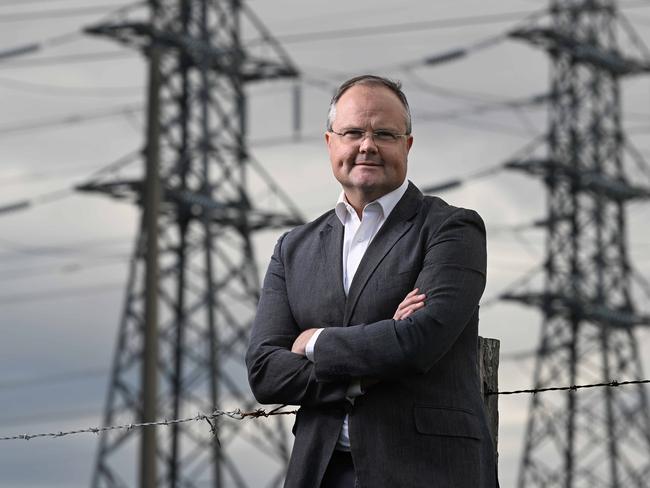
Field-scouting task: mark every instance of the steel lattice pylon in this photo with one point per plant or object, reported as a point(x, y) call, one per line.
point(598, 437)
point(208, 284)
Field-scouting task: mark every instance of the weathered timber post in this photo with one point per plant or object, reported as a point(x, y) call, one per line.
point(488, 362)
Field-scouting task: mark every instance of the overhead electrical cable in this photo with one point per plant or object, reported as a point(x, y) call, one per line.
point(385, 29)
point(49, 379)
point(57, 13)
point(484, 172)
point(516, 103)
point(92, 57)
point(20, 274)
point(59, 293)
point(72, 119)
point(47, 89)
point(36, 177)
point(42, 418)
point(36, 46)
point(68, 191)
point(84, 247)
point(4, 3)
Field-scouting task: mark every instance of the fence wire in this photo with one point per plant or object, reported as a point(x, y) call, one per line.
point(238, 414)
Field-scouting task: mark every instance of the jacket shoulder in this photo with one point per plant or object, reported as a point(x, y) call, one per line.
point(437, 211)
point(306, 231)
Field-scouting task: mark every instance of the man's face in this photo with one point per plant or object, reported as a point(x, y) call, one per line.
point(369, 168)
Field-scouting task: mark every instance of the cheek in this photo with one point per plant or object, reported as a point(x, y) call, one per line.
point(393, 159)
point(341, 155)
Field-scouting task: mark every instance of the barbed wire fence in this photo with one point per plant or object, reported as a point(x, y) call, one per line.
point(238, 414)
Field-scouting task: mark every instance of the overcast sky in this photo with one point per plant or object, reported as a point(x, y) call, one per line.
point(63, 264)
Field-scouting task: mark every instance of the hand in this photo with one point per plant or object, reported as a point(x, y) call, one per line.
point(410, 304)
point(301, 341)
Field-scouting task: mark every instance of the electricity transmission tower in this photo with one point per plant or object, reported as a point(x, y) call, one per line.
point(193, 285)
point(598, 437)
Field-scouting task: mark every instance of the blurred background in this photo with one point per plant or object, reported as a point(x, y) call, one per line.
point(73, 104)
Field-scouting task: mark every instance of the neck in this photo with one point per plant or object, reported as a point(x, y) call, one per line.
point(359, 199)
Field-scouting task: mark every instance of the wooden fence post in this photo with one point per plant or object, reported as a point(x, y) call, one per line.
point(488, 360)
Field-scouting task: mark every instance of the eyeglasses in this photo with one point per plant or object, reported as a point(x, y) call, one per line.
point(351, 136)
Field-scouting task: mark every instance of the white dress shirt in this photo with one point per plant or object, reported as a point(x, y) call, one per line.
point(357, 236)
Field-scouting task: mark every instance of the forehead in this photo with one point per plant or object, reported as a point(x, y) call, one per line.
point(374, 104)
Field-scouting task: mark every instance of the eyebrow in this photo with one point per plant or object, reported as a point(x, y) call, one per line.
point(353, 127)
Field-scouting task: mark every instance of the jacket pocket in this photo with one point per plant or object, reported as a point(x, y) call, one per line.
point(450, 422)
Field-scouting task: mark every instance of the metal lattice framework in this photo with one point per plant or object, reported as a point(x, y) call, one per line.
point(208, 284)
point(601, 437)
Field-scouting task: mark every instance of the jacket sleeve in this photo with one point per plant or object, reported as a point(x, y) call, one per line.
point(275, 374)
point(453, 277)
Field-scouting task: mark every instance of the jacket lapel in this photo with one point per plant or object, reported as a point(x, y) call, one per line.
point(397, 224)
point(331, 242)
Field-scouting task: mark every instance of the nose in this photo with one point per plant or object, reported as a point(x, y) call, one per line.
point(367, 144)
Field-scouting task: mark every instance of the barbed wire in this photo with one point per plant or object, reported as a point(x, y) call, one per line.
point(613, 383)
point(238, 414)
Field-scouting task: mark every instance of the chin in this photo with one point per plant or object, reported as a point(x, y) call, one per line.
point(367, 184)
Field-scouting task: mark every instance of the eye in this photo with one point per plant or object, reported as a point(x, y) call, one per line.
point(353, 134)
point(384, 135)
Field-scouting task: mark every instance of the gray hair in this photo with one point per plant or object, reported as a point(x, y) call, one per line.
point(394, 86)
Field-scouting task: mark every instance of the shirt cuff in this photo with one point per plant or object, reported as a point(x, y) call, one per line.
point(309, 348)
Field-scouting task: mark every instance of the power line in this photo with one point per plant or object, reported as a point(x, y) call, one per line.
point(518, 283)
point(512, 104)
point(58, 13)
point(44, 198)
point(71, 292)
point(4, 3)
point(65, 192)
point(35, 46)
point(60, 248)
point(479, 125)
point(64, 377)
point(445, 92)
point(69, 59)
point(36, 177)
point(378, 30)
point(72, 119)
point(51, 416)
point(77, 91)
point(14, 275)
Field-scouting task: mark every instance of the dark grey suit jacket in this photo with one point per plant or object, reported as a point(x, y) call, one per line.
point(423, 424)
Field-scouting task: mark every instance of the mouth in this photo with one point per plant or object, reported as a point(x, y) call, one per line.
point(367, 163)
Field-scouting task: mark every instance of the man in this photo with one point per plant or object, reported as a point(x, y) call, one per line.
point(368, 318)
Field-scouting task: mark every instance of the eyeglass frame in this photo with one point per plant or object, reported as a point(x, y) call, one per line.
point(373, 135)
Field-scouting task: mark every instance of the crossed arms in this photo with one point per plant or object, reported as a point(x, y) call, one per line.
point(453, 279)
point(412, 302)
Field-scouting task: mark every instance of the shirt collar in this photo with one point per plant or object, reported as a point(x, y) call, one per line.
point(387, 202)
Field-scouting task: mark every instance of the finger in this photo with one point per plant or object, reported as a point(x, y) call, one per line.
point(411, 300)
point(406, 311)
point(411, 293)
point(417, 298)
point(412, 308)
point(415, 306)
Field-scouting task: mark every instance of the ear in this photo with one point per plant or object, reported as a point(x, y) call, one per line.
point(328, 136)
point(409, 143)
